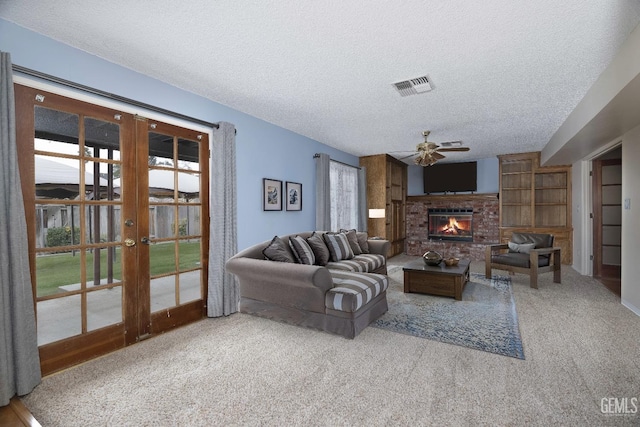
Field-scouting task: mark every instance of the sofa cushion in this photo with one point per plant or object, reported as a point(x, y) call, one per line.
point(364, 263)
point(278, 250)
point(338, 245)
point(354, 290)
point(374, 261)
point(302, 251)
point(352, 237)
point(522, 248)
point(518, 260)
point(348, 265)
point(538, 239)
point(319, 248)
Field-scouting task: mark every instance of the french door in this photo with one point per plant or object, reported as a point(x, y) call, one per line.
point(117, 215)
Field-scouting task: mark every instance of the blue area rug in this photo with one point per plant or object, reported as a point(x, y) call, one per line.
point(485, 319)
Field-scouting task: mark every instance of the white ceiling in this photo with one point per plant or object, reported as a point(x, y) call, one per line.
point(506, 73)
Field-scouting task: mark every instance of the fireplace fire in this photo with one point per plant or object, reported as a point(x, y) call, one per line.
point(451, 224)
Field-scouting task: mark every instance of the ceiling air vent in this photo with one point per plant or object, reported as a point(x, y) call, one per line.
point(449, 144)
point(414, 86)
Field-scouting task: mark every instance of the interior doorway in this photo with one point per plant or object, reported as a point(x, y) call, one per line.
point(607, 219)
point(117, 215)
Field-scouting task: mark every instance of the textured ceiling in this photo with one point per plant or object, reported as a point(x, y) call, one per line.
point(506, 72)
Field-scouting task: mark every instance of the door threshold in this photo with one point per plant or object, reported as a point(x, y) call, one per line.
point(16, 414)
point(611, 283)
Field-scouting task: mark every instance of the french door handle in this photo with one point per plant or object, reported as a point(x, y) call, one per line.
point(129, 242)
point(145, 240)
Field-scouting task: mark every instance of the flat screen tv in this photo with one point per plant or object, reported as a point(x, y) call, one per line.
point(451, 177)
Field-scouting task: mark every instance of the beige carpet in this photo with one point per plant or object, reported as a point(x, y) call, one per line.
point(581, 345)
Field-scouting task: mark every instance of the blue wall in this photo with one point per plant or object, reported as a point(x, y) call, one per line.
point(263, 149)
point(488, 171)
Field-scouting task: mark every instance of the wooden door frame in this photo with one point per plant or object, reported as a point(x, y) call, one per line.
point(183, 314)
point(63, 353)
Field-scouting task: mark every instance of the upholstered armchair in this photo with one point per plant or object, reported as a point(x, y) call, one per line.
point(526, 253)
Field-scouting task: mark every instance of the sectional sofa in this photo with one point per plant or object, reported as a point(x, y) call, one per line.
point(341, 295)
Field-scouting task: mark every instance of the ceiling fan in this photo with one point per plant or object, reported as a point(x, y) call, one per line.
point(428, 153)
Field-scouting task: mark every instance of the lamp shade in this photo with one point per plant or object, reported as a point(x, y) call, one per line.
point(376, 213)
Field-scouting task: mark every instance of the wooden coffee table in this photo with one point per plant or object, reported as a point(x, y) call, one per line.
point(439, 280)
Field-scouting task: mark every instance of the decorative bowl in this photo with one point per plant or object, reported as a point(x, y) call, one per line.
point(450, 262)
point(432, 258)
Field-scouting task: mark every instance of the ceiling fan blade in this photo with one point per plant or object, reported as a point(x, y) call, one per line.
point(424, 161)
point(437, 156)
point(454, 149)
point(406, 157)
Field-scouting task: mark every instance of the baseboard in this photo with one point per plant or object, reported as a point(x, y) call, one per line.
point(631, 307)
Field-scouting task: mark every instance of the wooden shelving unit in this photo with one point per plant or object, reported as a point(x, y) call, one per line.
point(387, 188)
point(551, 199)
point(536, 199)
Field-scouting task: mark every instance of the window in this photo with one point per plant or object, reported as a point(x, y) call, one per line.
point(343, 181)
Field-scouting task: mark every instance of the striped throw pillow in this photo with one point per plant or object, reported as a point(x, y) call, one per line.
point(302, 250)
point(338, 246)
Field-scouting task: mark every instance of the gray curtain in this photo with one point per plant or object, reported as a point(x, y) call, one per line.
point(19, 358)
point(323, 193)
point(362, 199)
point(224, 295)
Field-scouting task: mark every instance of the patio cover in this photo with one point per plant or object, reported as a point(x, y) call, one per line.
point(161, 183)
point(55, 179)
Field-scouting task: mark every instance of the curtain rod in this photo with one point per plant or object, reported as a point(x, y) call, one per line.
point(315, 156)
point(73, 85)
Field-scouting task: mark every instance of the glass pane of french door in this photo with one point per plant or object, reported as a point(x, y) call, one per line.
point(175, 208)
point(78, 269)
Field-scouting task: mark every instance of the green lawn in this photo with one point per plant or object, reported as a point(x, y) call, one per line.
point(56, 270)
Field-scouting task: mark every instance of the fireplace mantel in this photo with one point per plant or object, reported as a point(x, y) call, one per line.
point(437, 198)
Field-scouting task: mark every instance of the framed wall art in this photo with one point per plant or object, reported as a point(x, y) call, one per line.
point(294, 196)
point(271, 194)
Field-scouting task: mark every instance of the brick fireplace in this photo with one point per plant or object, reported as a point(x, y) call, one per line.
point(479, 212)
